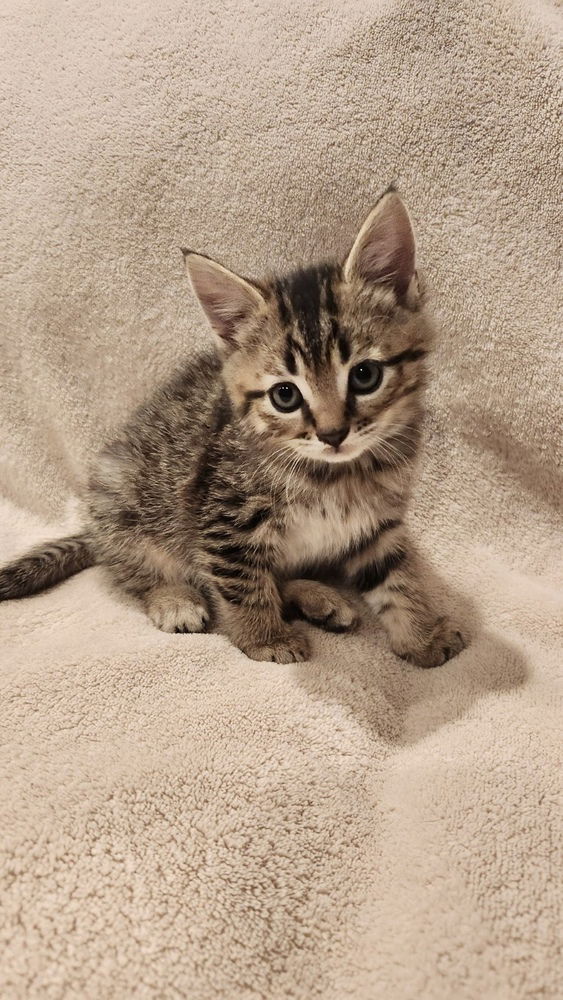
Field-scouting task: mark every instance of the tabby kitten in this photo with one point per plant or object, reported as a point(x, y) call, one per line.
point(286, 453)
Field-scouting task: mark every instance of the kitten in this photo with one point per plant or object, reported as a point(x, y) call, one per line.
point(286, 452)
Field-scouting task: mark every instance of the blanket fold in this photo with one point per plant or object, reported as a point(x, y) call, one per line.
point(178, 821)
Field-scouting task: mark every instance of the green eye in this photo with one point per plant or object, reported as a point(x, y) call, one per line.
point(365, 377)
point(286, 397)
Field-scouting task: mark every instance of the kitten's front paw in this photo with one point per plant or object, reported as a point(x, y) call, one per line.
point(445, 643)
point(321, 605)
point(177, 609)
point(290, 647)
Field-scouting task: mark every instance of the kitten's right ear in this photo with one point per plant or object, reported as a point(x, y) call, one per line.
point(226, 299)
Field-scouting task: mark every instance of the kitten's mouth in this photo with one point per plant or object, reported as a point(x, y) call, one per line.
point(344, 453)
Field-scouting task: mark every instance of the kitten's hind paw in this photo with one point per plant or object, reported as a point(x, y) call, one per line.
point(177, 609)
point(290, 647)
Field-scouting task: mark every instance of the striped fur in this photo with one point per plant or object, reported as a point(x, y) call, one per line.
point(213, 504)
point(45, 566)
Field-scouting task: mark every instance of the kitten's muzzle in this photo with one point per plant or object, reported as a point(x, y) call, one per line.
point(333, 437)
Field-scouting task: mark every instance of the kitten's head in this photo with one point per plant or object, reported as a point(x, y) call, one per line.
point(326, 362)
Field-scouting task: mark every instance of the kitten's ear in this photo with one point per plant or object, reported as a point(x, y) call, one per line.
point(384, 250)
point(226, 299)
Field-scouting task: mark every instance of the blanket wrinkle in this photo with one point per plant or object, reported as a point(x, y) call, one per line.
point(178, 821)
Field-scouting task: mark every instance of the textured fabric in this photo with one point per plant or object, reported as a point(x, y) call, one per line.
point(178, 821)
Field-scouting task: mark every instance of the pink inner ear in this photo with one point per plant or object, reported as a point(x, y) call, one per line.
point(385, 251)
point(392, 265)
point(225, 298)
point(222, 314)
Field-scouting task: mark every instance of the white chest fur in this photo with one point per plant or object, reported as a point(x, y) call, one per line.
point(322, 533)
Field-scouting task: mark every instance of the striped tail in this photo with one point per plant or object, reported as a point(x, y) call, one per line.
point(44, 566)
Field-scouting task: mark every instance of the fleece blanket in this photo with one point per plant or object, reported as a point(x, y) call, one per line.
point(176, 820)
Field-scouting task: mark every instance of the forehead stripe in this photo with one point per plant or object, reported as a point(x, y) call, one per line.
point(304, 292)
point(329, 295)
point(289, 360)
point(282, 305)
point(296, 347)
point(344, 348)
point(308, 308)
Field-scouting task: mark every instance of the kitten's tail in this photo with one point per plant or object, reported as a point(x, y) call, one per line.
point(46, 565)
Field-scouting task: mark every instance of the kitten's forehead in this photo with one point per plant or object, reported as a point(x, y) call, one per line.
point(307, 302)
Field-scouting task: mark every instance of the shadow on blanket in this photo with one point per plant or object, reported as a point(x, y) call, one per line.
point(401, 703)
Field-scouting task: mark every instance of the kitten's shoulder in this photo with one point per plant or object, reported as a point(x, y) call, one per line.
point(200, 375)
point(176, 422)
point(187, 399)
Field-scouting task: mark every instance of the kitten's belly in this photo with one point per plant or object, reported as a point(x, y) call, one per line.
point(323, 534)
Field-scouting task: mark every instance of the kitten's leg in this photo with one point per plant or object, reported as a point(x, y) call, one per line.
point(174, 604)
point(254, 619)
point(319, 604)
point(389, 573)
point(176, 607)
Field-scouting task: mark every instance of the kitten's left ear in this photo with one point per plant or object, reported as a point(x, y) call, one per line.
point(384, 249)
point(226, 299)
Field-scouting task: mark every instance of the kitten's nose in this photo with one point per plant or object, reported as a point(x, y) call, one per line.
point(334, 437)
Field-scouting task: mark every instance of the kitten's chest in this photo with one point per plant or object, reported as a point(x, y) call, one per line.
point(325, 530)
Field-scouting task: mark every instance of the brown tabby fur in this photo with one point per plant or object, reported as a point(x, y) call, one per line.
point(210, 504)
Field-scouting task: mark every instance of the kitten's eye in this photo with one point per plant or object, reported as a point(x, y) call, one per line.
point(365, 377)
point(286, 397)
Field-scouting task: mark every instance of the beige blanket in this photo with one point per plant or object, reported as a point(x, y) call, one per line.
point(176, 820)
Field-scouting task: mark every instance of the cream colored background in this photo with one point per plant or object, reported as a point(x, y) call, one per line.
point(177, 820)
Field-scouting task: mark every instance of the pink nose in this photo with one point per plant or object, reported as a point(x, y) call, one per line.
point(334, 437)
